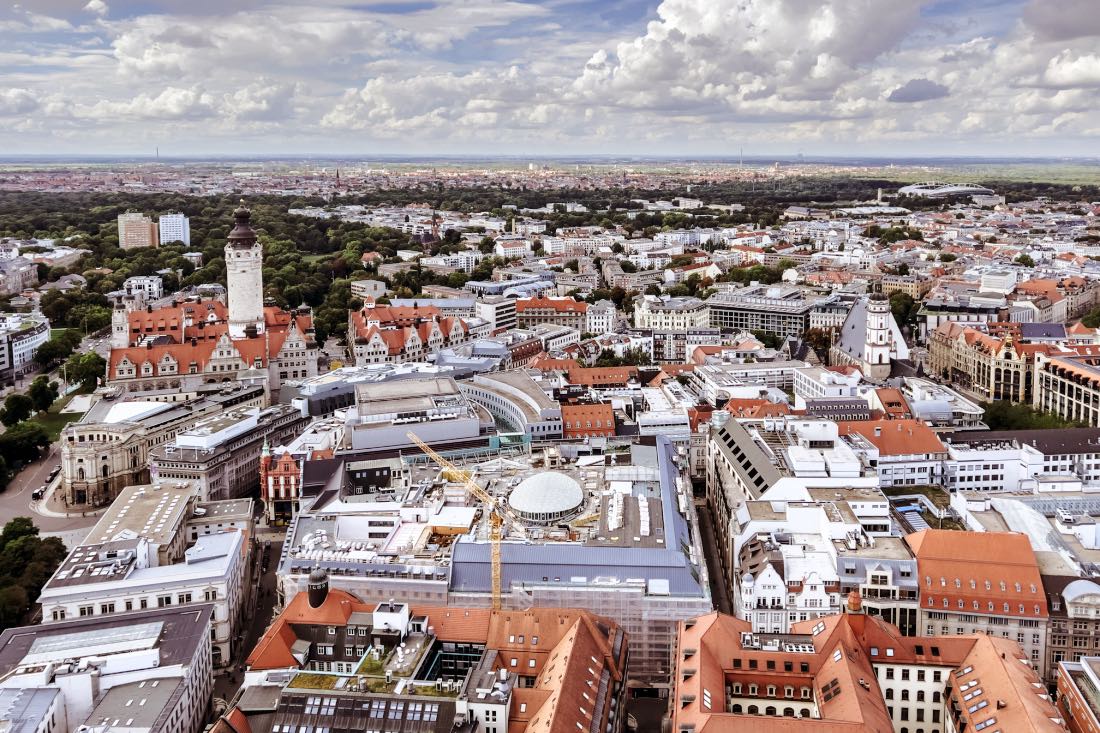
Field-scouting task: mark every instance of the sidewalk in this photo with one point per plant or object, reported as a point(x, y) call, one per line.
point(54, 505)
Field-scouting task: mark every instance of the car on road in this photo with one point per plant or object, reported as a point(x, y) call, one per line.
point(37, 494)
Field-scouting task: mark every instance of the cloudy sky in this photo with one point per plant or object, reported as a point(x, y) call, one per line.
point(677, 77)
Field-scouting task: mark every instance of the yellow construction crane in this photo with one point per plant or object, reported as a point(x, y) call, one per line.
point(496, 521)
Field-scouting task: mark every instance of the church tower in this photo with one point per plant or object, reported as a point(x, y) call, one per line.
point(244, 278)
point(876, 350)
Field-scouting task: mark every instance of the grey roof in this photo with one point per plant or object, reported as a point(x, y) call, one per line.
point(1048, 442)
point(183, 630)
point(1031, 331)
point(23, 711)
point(471, 569)
point(520, 564)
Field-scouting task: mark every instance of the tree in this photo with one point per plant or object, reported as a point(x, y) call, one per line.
point(43, 393)
point(86, 369)
point(819, 339)
point(56, 349)
point(27, 561)
point(1025, 260)
point(23, 443)
point(653, 289)
point(1004, 415)
point(17, 408)
point(947, 257)
point(904, 308)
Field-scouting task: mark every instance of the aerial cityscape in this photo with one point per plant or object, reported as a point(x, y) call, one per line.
point(487, 366)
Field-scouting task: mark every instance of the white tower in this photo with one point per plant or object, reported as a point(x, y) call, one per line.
point(876, 351)
point(120, 326)
point(244, 278)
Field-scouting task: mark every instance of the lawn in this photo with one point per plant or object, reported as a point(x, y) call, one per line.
point(53, 421)
point(311, 681)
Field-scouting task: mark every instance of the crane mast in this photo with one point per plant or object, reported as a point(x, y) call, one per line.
point(496, 521)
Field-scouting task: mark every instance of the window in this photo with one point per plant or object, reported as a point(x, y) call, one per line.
point(163, 601)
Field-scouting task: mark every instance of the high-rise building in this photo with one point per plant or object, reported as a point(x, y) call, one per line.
point(136, 230)
point(175, 228)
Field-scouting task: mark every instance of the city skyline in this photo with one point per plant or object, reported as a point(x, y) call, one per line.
point(563, 77)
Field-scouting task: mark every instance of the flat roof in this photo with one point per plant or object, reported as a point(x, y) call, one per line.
point(134, 704)
point(153, 511)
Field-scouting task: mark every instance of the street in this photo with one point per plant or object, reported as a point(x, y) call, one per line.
point(256, 617)
point(719, 591)
point(15, 500)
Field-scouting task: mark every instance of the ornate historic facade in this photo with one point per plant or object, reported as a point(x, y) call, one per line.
point(195, 342)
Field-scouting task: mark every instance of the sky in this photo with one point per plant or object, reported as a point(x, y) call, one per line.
point(548, 77)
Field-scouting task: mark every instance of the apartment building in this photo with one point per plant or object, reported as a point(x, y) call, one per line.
point(136, 230)
point(174, 228)
point(851, 672)
point(985, 582)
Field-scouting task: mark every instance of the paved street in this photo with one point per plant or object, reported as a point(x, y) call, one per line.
point(720, 593)
point(257, 618)
point(15, 501)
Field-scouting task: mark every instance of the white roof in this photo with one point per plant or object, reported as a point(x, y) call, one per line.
point(546, 493)
point(130, 411)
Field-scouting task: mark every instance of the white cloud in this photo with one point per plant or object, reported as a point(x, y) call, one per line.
point(1068, 70)
point(97, 7)
point(15, 102)
point(485, 75)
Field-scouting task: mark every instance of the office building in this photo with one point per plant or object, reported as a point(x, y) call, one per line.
point(775, 309)
point(142, 672)
point(221, 454)
point(153, 549)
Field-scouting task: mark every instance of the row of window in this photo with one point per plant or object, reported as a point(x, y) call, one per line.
point(109, 607)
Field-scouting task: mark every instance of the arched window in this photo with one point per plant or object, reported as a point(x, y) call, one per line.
point(80, 473)
point(770, 710)
point(736, 709)
point(788, 712)
point(753, 710)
